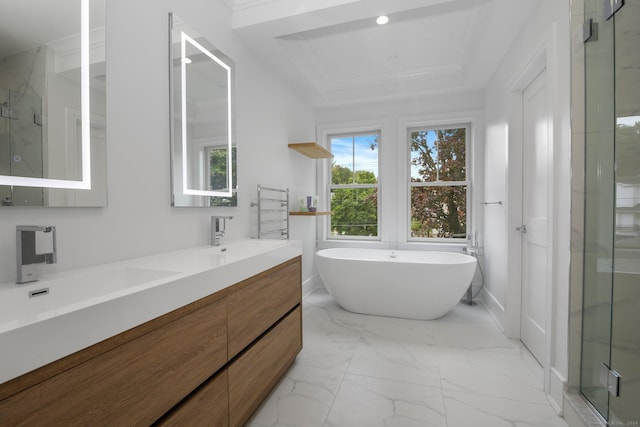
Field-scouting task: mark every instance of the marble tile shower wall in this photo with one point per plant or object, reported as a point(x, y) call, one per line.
point(365, 371)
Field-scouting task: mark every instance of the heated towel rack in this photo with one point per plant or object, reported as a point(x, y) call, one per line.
point(273, 212)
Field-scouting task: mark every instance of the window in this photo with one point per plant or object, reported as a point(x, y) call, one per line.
point(215, 165)
point(438, 185)
point(353, 191)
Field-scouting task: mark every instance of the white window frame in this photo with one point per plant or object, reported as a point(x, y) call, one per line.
point(409, 127)
point(329, 186)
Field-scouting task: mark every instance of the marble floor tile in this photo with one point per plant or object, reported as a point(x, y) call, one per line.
point(330, 334)
point(405, 330)
point(468, 332)
point(468, 409)
point(463, 314)
point(365, 401)
point(506, 380)
point(302, 398)
point(493, 371)
point(364, 371)
point(396, 360)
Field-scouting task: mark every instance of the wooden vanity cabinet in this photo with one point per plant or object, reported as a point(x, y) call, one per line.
point(209, 363)
point(131, 384)
point(258, 303)
point(258, 370)
point(206, 406)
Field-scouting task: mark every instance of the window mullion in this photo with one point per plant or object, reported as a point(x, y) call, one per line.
point(439, 184)
point(437, 158)
point(353, 159)
point(352, 186)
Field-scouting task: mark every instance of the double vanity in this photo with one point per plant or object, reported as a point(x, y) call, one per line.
point(192, 337)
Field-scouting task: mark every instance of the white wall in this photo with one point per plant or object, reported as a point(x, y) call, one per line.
point(548, 28)
point(139, 220)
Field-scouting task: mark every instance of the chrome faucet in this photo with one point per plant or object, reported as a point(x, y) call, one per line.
point(472, 244)
point(218, 224)
point(27, 251)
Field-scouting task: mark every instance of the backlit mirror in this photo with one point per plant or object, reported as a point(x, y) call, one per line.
point(203, 153)
point(52, 103)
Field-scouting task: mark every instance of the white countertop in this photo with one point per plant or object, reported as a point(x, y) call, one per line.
point(88, 305)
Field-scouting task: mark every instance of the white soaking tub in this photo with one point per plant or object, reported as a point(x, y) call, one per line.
point(409, 284)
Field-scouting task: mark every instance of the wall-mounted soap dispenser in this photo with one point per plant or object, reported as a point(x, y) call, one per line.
point(34, 245)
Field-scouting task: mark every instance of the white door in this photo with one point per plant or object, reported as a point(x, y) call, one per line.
point(536, 180)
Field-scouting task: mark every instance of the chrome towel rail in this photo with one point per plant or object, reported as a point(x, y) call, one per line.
point(273, 211)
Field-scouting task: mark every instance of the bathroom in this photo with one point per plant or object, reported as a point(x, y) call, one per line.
point(274, 108)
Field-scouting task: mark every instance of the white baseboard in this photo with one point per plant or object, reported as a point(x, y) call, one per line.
point(311, 285)
point(557, 384)
point(495, 309)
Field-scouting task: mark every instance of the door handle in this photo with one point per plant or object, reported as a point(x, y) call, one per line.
point(522, 229)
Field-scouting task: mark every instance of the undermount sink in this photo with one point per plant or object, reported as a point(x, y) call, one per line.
point(46, 298)
point(236, 250)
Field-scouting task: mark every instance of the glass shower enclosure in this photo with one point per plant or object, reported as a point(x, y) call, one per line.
point(610, 365)
point(22, 117)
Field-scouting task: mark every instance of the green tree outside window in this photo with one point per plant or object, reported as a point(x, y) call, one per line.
point(438, 157)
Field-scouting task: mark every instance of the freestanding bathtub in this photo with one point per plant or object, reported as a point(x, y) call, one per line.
point(409, 284)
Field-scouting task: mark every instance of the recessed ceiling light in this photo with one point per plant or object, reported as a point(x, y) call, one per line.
point(382, 20)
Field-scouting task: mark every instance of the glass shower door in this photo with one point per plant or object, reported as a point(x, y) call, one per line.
point(599, 206)
point(625, 336)
point(610, 368)
point(22, 145)
point(27, 145)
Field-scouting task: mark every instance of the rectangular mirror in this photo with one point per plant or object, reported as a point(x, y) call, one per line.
point(52, 103)
point(203, 153)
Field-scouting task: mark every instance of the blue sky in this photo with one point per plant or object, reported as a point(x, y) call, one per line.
point(431, 143)
point(366, 158)
point(342, 148)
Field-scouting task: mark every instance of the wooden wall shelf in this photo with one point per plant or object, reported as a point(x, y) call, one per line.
point(297, 213)
point(311, 149)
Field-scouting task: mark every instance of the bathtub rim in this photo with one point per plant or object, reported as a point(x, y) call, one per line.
point(462, 258)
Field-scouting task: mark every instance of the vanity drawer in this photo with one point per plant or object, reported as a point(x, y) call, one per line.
point(207, 406)
point(132, 384)
point(261, 301)
point(257, 371)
